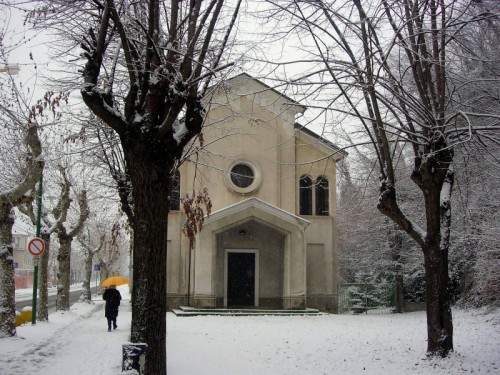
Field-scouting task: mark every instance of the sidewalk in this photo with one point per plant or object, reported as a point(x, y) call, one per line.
point(71, 342)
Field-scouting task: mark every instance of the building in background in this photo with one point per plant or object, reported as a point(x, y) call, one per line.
point(23, 260)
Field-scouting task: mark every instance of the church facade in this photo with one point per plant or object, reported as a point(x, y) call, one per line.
point(270, 240)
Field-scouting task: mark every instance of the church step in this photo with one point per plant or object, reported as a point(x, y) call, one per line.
point(191, 311)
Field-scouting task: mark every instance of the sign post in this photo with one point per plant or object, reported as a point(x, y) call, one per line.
point(36, 247)
point(97, 268)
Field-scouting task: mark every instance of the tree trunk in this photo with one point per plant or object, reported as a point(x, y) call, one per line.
point(435, 249)
point(7, 281)
point(439, 319)
point(86, 295)
point(42, 312)
point(150, 179)
point(63, 275)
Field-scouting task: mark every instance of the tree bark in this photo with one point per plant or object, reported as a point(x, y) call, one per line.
point(63, 274)
point(150, 178)
point(435, 249)
point(42, 312)
point(86, 295)
point(439, 318)
point(7, 283)
point(65, 240)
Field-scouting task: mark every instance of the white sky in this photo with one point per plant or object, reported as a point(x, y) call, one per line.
point(77, 342)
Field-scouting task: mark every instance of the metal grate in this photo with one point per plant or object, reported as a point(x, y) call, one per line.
point(358, 298)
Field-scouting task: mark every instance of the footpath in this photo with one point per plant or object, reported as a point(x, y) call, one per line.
point(74, 342)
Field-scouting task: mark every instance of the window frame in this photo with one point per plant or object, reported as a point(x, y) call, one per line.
point(305, 195)
point(322, 195)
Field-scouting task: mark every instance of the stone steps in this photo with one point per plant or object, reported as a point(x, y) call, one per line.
point(191, 311)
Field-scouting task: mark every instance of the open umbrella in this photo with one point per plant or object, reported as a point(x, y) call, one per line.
point(115, 280)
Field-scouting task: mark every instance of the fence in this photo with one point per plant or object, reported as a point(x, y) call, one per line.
point(376, 298)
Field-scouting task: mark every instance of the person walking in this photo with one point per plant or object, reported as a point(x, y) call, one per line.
point(112, 297)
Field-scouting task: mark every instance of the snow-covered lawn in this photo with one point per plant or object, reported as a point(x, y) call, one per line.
point(77, 342)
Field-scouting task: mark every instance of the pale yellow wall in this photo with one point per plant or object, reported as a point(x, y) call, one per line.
point(314, 163)
point(237, 127)
point(258, 128)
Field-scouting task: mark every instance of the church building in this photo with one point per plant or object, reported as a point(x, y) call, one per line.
point(270, 240)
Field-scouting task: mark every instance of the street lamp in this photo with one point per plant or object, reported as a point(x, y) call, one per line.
point(10, 69)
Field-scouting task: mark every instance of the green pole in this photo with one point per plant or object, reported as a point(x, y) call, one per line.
point(35, 260)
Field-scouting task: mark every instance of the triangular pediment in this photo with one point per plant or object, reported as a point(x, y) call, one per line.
point(244, 86)
point(257, 209)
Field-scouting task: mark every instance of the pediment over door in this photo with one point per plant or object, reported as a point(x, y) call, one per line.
point(256, 209)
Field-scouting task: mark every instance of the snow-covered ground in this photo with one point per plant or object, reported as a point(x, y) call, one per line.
point(77, 342)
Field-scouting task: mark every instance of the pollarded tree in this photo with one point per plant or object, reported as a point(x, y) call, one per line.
point(21, 167)
point(387, 66)
point(14, 191)
point(49, 225)
point(67, 230)
point(22, 164)
point(148, 65)
point(89, 253)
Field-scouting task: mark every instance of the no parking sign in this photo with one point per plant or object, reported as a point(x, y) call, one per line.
point(36, 246)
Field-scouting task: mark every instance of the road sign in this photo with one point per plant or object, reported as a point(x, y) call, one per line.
point(97, 267)
point(16, 264)
point(36, 246)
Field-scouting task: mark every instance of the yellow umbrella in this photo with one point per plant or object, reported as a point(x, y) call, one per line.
point(115, 280)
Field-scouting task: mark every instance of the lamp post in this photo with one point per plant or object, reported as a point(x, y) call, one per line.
point(10, 69)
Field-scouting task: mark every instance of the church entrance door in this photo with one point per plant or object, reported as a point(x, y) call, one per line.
point(241, 279)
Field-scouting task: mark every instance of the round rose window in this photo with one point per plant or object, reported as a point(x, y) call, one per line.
point(242, 175)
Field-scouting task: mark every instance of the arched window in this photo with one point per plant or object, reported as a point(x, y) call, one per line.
point(305, 196)
point(175, 194)
point(322, 201)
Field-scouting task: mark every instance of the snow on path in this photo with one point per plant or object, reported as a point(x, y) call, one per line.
point(75, 342)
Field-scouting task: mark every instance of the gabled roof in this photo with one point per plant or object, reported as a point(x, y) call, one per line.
point(319, 139)
point(246, 75)
point(333, 149)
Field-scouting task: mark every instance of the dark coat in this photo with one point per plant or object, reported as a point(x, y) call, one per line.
point(112, 298)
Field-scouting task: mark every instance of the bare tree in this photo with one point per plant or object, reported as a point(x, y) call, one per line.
point(21, 165)
point(90, 253)
point(66, 232)
point(13, 193)
point(148, 65)
point(49, 225)
point(387, 66)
